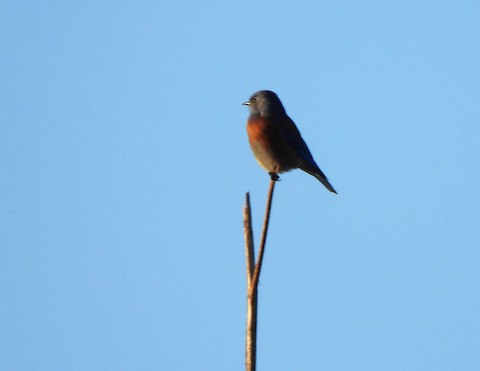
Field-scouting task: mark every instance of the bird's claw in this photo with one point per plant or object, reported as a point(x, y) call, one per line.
point(274, 176)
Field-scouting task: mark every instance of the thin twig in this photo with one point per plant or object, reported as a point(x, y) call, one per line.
point(251, 331)
point(253, 274)
point(248, 235)
point(258, 266)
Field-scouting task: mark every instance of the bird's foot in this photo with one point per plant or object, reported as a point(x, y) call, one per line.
point(274, 176)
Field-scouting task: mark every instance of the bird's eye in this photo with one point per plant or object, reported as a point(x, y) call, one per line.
point(254, 100)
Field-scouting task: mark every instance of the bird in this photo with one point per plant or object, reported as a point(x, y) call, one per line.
point(275, 139)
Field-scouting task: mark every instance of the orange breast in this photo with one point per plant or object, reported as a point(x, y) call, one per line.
point(257, 131)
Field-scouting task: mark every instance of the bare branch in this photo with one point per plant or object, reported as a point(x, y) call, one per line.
point(253, 274)
point(248, 235)
point(251, 332)
point(258, 266)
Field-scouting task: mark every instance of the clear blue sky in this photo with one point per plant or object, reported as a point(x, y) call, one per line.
point(124, 164)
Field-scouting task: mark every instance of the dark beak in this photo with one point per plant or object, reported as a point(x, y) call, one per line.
point(246, 103)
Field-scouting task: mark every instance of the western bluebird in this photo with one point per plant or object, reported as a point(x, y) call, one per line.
point(276, 141)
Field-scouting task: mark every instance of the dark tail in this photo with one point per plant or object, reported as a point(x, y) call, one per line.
point(317, 173)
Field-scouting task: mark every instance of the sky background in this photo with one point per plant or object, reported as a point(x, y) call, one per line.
point(124, 164)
